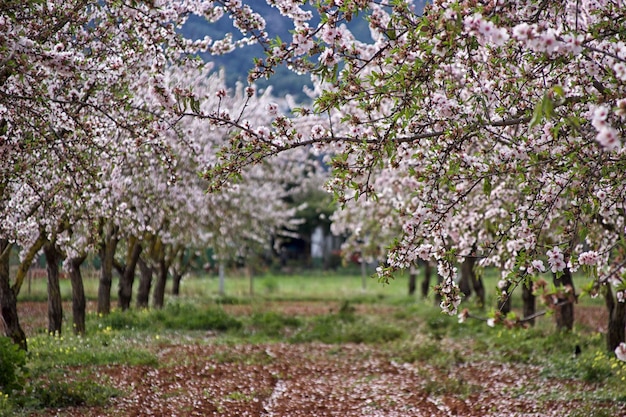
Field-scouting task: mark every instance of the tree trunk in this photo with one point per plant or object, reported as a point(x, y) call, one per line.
point(8, 299)
point(478, 285)
point(467, 273)
point(145, 283)
point(158, 297)
point(55, 306)
point(426, 282)
point(504, 301)
point(107, 252)
point(179, 268)
point(564, 311)
point(528, 299)
point(617, 320)
point(412, 279)
point(78, 294)
point(127, 275)
point(176, 278)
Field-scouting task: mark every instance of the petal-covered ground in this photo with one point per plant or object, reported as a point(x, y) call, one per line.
point(206, 377)
point(321, 380)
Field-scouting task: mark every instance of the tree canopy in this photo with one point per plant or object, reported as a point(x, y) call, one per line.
point(502, 121)
point(488, 129)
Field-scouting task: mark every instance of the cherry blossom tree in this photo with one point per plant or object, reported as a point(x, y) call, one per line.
point(68, 74)
point(512, 113)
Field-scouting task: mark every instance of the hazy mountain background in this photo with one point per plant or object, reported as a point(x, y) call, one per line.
point(240, 61)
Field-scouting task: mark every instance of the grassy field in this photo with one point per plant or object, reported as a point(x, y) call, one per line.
point(569, 373)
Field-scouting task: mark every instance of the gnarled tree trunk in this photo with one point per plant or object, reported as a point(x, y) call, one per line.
point(55, 306)
point(412, 279)
point(127, 273)
point(8, 299)
point(158, 296)
point(78, 294)
point(504, 301)
point(145, 284)
point(108, 245)
point(426, 281)
point(617, 320)
point(469, 280)
point(564, 311)
point(529, 304)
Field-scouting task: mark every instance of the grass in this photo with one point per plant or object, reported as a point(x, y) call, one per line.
point(412, 331)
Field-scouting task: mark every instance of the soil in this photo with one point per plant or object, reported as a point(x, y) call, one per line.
point(208, 378)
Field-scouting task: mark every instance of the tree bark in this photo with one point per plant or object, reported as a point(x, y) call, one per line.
point(564, 310)
point(412, 279)
point(107, 252)
point(478, 285)
point(528, 298)
point(176, 278)
point(426, 281)
point(504, 304)
point(145, 284)
point(8, 299)
point(78, 294)
point(158, 296)
point(179, 268)
point(55, 305)
point(616, 332)
point(467, 274)
point(127, 274)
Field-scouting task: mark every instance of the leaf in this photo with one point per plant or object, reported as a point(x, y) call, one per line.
point(194, 104)
point(558, 91)
point(547, 106)
point(537, 116)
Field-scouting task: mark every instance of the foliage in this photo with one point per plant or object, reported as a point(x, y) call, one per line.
point(56, 392)
point(347, 327)
point(175, 315)
point(105, 346)
point(12, 367)
point(488, 130)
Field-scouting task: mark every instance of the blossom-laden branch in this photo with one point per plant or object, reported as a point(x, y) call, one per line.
point(497, 125)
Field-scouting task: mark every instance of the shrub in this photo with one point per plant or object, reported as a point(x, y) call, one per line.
point(59, 394)
point(12, 366)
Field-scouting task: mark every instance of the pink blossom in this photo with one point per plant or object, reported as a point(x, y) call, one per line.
point(523, 31)
point(328, 57)
point(608, 138)
point(588, 258)
point(620, 110)
point(620, 71)
point(303, 44)
point(272, 109)
point(330, 35)
point(538, 265)
point(317, 131)
point(556, 259)
point(620, 352)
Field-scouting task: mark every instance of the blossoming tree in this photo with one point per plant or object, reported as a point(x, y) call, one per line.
point(69, 73)
point(513, 113)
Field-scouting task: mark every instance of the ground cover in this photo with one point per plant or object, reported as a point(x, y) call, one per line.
point(276, 354)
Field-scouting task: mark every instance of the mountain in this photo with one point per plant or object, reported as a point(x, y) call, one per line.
point(239, 62)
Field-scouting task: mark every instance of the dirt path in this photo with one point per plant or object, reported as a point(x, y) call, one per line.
point(320, 380)
point(208, 378)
